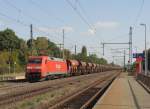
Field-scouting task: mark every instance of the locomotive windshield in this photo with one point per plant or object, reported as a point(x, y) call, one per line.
point(35, 61)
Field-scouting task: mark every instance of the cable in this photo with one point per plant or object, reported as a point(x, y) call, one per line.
point(20, 11)
point(13, 19)
point(80, 15)
point(46, 12)
point(118, 37)
point(139, 13)
point(23, 23)
point(83, 11)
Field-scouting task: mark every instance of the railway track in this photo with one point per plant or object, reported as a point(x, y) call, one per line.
point(39, 88)
point(85, 98)
point(10, 85)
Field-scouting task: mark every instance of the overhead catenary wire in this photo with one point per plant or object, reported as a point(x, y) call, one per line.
point(46, 12)
point(23, 23)
point(13, 19)
point(20, 10)
point(80, 15)
point(29, 16)
point(83, 11)
point(139, 13)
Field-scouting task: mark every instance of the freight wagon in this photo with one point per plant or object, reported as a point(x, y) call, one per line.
point(45, 67)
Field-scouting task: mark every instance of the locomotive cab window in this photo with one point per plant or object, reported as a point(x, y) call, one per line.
point(35, 61)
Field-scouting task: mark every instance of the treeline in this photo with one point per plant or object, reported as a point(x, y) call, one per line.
point(14, 51)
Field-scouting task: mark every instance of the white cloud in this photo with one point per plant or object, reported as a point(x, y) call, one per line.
point(102, 25)
point(91, 31)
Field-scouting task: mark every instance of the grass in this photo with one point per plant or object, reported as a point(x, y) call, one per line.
point(51, 97)
point(47, 98)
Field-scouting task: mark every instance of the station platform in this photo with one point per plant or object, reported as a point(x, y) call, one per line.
point(124, 93)
point(7, 78)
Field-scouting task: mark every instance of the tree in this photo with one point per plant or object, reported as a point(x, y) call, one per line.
point(8, 39)
point(102, 61)
point(41, 44)
point(92, 58)
point(67, 54)
point(53, 50)
point(23, 53)
point(84, 51)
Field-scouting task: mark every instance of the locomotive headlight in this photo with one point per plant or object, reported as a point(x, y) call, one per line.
point(37, 67)
point(28, 67)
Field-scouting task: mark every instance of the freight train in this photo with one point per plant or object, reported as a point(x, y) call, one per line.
point(45, 67)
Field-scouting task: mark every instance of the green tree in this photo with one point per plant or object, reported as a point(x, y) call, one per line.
point(8, 39)
point(41, 45)
point(23, 53)
point(67, 54)
point(102, 61)
point(53, 50)
point(84, 51)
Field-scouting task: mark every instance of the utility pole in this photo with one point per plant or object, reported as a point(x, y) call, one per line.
point(124, 59)
point(130, 46)
point(103, 49)
point(9, 60)
point(124, 55)
point(128, 43)
point(31, 35)
point(60, 47)
point(113, 44)
point(146, 55)
point(63, 43)
point(75, 50)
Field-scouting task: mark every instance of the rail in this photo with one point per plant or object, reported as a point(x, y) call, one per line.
point(85, 98)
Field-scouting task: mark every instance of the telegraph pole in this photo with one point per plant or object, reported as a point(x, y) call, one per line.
point(124, 59)
point(130, 46)
point(60, 47)
point(9, 60)
point(112, 44)
point(75, 50)
point(103, 49)
point(31, 35)
point(63, 31)
point(146, 55)
point(124, 55)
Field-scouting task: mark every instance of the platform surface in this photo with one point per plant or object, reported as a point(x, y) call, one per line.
point(13, 77)
point(124, 93)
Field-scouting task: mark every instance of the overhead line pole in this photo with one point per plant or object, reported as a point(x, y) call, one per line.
point(31, 35)
point(129, 43)
point(75, 50)
point(63, 43)
point(112, 43)
point(124, 60)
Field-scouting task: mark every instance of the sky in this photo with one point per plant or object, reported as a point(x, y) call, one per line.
point(86, 22)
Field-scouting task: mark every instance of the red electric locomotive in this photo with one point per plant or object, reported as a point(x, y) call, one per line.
point(39, 67)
